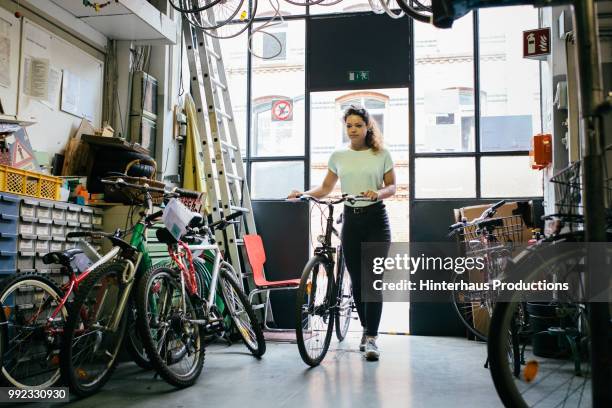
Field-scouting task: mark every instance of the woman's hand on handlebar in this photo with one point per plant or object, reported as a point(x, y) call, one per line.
point(295, 194)
point(372, 195)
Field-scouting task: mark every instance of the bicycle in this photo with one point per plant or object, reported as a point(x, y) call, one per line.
point(178, 310)
point(542, 347)
point(96, 323)
point(494, 240)
point(323, 299)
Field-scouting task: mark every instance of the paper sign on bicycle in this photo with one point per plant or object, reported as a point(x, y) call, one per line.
point(176, 218)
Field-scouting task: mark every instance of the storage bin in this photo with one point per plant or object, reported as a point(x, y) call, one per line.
point(28, 208)
point(42, 247)
point(8, 262)
point(58, 230)
point(8, 241)
point(96, 218)
point(85, 217)
point(44, 210)
point(29, 183)
point(56, 246)
point(8, 224)
point(43, 230)
point(72, 215)
point(9, 204)
point(27, 245)
point(25, 261)
point(27, 227)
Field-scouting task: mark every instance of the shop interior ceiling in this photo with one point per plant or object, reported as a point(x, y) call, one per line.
point(136, 20)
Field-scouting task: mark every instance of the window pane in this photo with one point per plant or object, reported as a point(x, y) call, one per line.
point(278, 91)
point(510, 88)
point(344, 6)
point(388, 107)
point(445, 177)
point(276, 179)
point(509, 176)
point(444, 87)
point(234, 52)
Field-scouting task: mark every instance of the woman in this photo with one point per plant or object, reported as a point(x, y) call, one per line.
point(364, 168)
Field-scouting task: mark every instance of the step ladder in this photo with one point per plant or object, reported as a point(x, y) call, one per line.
point(225, 175)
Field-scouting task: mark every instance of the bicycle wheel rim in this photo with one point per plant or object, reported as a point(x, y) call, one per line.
point(238, 311)
point(345, 306)
point(314, 313)
point(548, 371)
point(176, 341)
point(473, 309)
point(94, 346)
point(31, 336)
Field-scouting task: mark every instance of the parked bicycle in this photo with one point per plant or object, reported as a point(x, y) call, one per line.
point(179, 309)
point(325, 295)
point(493, 239)
point(99, 314)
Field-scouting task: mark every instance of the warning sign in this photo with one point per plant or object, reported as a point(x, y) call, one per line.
point(536, 43)
point(282, 110)
point(22, 155)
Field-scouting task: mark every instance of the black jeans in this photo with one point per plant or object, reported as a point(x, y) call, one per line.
point(369, 224)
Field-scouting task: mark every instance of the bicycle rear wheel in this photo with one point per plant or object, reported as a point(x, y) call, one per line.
point(241, 313)
point(344, 311)
point(90, 345)
point(31, 341)
point(539, 352)
point(314, 311)
point(173, 340)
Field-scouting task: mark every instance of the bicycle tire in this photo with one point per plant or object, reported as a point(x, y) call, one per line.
point(182, 9)
point(48, 351)
point(414, 14)
point(250, 330)
point(244, 25)
point(76, 373)
point(554, 372)
point(226, 11)
point(465, 309)
point(344, 312)
point(324, 278)
point(133, 342)
point(387, 9)
point(177, 330)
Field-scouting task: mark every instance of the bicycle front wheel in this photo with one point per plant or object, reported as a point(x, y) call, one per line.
point(474, 308)
point(539, 352)
point(170, 327)
point(242, 313)
point(314, 311)
point(91, 343)
point(31, 334)
point(344, 311)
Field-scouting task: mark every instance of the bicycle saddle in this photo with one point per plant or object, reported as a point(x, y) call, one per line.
point(196, 221)
point(63, 258)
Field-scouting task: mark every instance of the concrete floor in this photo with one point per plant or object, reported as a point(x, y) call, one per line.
point(412, 372)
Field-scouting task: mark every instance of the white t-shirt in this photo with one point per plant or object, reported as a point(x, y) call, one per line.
point(360, 171)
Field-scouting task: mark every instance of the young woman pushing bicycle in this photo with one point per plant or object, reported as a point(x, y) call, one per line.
point(364, 168)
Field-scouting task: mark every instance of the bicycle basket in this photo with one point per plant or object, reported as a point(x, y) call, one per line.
point(568, 185)
point(503, 231)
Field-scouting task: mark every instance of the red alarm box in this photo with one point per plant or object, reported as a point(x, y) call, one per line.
point(541, 153)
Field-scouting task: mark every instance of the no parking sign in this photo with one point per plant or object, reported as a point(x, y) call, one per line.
point(282, 110)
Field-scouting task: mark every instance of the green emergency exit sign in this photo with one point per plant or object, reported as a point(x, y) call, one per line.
point(358, 76)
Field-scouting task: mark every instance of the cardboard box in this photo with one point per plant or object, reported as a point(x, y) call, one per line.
point(506, 210)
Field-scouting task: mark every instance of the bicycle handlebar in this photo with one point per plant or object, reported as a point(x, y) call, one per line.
point(486, 214)
point(331, 201)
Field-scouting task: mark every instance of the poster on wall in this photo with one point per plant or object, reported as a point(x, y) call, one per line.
point(36, 78)
point(71, 88)
point(5, 53)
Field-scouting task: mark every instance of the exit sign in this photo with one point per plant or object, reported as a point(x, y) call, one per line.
point(358, 76)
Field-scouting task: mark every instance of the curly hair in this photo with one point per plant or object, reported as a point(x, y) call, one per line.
point(374, 138)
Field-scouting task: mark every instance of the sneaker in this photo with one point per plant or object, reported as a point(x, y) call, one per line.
point(362, 344)
point(371, 350)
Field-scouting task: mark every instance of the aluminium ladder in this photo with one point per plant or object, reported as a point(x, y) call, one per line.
point(225, 176)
